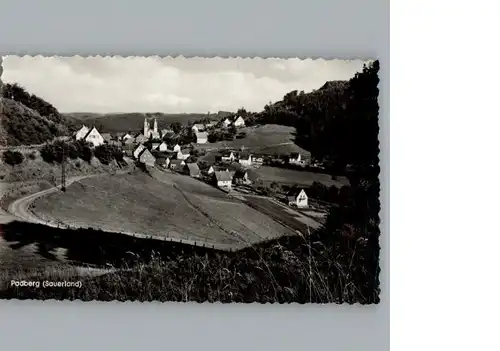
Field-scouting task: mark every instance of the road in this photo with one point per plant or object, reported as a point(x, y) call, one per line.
point(20, 209)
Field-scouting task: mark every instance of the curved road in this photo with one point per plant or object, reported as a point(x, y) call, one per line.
point(20, 209)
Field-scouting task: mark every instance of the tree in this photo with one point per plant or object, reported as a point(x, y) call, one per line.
point(13, 157)
point(176, 127)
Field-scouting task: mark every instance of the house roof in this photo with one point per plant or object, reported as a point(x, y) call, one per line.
point(185, 151)
point(106, 136)
point(240, 174)
point(176, 162)
point(294, 155)
point(145, 153)
point(294, 192)
point(245, 155)
point(226, 153)
point(223, 176)
point(193, 168)
point(199, 125)
point(161, 159)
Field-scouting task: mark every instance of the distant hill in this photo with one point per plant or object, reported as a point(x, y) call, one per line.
point(124, 122)
point(29, 120)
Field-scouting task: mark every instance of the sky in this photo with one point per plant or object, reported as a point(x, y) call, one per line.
point(169, 85)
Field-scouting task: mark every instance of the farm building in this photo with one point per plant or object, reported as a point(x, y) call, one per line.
point(162, 161)
point(183, 154)
point(192, 169)
point(223, 179)
point(297, 197)
point(239, 122)
point(94, 137)
point(138, 150)
point(201, 137)
point(245, 159)
point(140, 138)
point(177, 148)
point(146, 158)
point(198, 128)
point(176, 164)
point(227, 156)
point(294, 158)
point(163, 147)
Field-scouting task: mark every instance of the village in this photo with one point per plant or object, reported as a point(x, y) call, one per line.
point(185, 152)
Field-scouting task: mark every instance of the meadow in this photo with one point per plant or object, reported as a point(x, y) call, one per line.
point(291, 177)
point(166, 205)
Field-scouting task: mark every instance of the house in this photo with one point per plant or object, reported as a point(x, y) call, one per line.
point(163, 147)
point(210, 170)
point(138, 150)
point(210, 125)
point(176, 164)
point(257, 159)
point(239, 122)
point(115, 143)
point(82, 132)
point(198, 128)
point(245, 159)
point(201, 138)
point(162, 162)
point(126, 137)
point(165, 132)
point(223, 179)
point(140, 138)
point(147, 158)
point(94, 137)
point(192, 169)
point(177, 148)
point(294, 158)
point(155, 146)
point(129, 141)
point(183, 154)
point(241, 177)
point(297, 197)
point(227, 156)
point(226, 122)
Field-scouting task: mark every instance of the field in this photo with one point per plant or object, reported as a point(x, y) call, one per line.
point(169, 206)
point(291, 177)
point(268, 139)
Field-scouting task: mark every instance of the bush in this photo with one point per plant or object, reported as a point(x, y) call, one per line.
point(32, 156)
point(13, 157)
point(107, 153)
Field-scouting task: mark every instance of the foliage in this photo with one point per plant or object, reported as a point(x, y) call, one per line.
point(106, 153)
point(176, 127)
point(13, 157)
point(53, 152)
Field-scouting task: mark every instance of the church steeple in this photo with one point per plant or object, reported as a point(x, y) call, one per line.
point(155, 126)
point(146, 127)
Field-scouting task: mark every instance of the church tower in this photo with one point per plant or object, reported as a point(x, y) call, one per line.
point(146, 127)
point(155, 127)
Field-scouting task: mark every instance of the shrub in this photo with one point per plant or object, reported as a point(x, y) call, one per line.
point(13, 157)
point(32, 156)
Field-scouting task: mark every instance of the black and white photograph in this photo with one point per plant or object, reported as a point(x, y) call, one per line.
point(189, 179)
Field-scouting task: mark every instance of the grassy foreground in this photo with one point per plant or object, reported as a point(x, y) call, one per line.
point(284, 270)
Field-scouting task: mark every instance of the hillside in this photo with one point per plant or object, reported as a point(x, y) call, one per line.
point(29, 120)
point(124, 122)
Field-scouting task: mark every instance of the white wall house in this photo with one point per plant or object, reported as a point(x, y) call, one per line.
point(198, 128)
point(245, 159)
point(177, 148)
point(223, 179)
point(163, 147)
point(295, 158)
point(94, 137)
point(138, 150)
point(226, 122)
point(227, 156)
point(82, 132)
point(182, 155)
point(201, 138)
point(239, 122)
point(298, 198)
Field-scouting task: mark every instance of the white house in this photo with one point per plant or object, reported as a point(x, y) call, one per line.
point(82, 132)
point(94, 137)
point(239, 122)
point(155, 146)
point(226, 122)
point(297, 197)
point(182, 155)
point(127, 136)
point(177, 148)
point(138, 150)
point(227, 156)
point(210, 170)
point(245, 159)
point(201, 138)
point(198, 128)
point(163, 147)
point(223, 179)
point(147, 158)
point(295, 158)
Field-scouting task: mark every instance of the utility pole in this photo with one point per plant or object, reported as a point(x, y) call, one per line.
point(63, 168)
